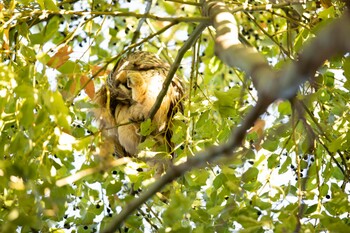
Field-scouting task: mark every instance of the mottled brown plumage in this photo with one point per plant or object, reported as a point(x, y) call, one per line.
point(128, 96)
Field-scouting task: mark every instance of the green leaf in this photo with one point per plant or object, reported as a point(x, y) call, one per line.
point(42, 4)
point(43, 58)
point(51, 28)
point(337, 173)
point(323, 95)
point(27, 113)
point(346, 68)
point(226, 101)
point(23, 30)
point(301, 38)
point(252, 186)
point(197, 177)
point(311, 209)
point(219, 181)
point(200, 215)
point(247, 221)
point(339, 227)
point(284, 108)
point(324, 190)
point(169, 8)
point(226, 98)
point(270, 145)
point(273, 161)
point(78, 132)
point(203, 119)
point(113, 188)
point(328, 78)
point(57, 108)
point(214, 64)
point(215, 210)
point(20, 144)
point(69, 67)
point(146, 127)
point(327, 13)
point(285, 166)
point(250, 175)
point(50, 5)
point(28, 53)
point(261, 204)
point(337, 144)
point(36, 38)
point(233, 186)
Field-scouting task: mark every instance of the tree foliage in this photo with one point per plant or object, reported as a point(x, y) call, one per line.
point(290, 172)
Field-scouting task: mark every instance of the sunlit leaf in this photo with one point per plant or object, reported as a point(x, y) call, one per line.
point(51, 28)
point(69, 67)
point(270, 145)
point(285, 166)
point(284, 108)
point(273, 161)
point(250, 175)
point(146, 127)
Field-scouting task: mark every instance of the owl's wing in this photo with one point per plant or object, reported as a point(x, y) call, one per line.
point(105, 116)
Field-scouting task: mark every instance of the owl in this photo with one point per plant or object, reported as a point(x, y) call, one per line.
point(125, 100)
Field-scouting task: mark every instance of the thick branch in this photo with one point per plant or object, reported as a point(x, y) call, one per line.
point(331, 41)
point(229, 49)
point(269, 83)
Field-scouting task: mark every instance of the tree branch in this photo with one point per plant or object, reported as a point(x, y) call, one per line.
point(83, 173)
point(50, 13)
point(269, 83)
point(187, 45)
point(142, 20)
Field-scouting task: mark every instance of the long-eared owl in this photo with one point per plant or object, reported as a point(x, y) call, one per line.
point(127, 97)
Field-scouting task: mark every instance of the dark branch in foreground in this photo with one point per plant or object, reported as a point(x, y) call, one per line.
point(200, 160)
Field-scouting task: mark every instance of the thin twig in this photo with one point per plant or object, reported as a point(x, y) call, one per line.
point(142, 20)
point(265, 7)
point(50, 13)
point(79, 175)
point(251, 17)
point(187, 45)
point(185, 2)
